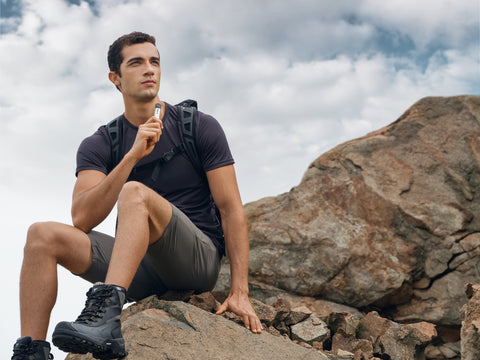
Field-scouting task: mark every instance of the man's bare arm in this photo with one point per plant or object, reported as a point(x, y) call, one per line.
point(224, 188)
point(95, 193)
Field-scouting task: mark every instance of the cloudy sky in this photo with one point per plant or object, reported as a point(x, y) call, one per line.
point(287, 79)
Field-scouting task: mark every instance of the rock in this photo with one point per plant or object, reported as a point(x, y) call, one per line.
point(448, 334)
point(265, 313)
point(443, 351)
point(205, 301)
point(470, 332)
point(387, 222)
point(310, 330)
point(402, 342)
point(324, 308)
point(158, 329)
point(389, 219)
point(297, 315)
point(361, 348)
point(346, 354)
point(344, 321)
point(282, 305)
point(271, 295)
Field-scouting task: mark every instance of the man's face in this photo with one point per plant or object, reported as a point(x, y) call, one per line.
point(140, 71)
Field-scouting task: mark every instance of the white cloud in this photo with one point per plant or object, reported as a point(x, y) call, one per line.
point(288, 80)
point(426, 22)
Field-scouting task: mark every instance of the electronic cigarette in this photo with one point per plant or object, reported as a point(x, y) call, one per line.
point(158, 110)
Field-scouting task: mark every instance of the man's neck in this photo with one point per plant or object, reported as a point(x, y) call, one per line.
point(139, 112)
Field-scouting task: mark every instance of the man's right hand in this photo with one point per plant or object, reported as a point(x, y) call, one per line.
point(147, 136)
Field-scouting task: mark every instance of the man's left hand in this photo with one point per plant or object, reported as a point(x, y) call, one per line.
point(240, 305)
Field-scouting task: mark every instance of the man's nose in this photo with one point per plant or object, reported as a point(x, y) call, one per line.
point(149, 68)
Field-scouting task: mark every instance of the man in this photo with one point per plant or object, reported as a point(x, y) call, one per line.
point(167, 236)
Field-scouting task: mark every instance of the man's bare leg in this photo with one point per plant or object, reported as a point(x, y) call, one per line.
point(143, 216)
point(48, 244)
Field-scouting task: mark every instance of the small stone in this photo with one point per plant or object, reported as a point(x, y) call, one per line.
point(305, 345)
point(272, 330)
point(265, 313)
point(294, 317)
point(205, 301)
point(344, 321)
point(311, 329)
point(344, 353)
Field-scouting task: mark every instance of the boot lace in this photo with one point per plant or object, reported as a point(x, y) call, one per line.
point(95, 306)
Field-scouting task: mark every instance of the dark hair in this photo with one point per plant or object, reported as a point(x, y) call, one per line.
point(115, 56)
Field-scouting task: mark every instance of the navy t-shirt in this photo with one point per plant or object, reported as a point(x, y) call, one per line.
point(177, 180)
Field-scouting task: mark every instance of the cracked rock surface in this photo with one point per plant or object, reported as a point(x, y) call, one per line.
point(158, 329)
point(390, 220)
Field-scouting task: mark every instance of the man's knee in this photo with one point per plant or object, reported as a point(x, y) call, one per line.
point(134, 194)
point(136, 199)
point(67, 245)
point(41, 238)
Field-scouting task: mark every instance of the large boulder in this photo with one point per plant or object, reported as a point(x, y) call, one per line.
point(157, 329)
point(389, 220)
point(184, 327)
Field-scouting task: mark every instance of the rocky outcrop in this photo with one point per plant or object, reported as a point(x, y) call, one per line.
point(157, 329)
point(367, 258)
point(390, 220)
point(183, 326)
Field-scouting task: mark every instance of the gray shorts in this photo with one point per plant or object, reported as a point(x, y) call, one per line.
point(184, 258)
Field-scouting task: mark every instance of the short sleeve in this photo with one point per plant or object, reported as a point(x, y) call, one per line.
point(212, 143)
point(94, 153)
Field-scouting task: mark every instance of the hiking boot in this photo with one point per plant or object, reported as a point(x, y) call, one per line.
point(97, 329)
point(26, 349)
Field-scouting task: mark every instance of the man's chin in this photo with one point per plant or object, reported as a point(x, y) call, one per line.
point(147, 96)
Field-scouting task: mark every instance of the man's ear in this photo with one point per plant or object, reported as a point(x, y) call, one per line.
point(114, 78)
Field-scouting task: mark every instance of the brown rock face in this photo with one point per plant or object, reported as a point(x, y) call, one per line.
point(390, 219)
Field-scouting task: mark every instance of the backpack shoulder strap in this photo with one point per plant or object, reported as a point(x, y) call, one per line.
point(187, 115)
point(115, 134)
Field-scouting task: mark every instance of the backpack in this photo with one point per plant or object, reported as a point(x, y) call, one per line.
point(187, 114)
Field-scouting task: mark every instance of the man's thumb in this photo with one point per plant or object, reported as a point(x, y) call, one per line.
point(221, 309)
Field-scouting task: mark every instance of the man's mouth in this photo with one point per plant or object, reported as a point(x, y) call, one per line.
point(149, 82)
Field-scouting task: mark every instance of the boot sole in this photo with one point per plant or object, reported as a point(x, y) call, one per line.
point(113, 349)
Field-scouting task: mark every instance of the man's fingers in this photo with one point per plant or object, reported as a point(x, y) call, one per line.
point(257, 328)
point(246, 321)
point(153, 119)
point(221, 309)
point(250, 319)
point(151, 133)
point(153, 128)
